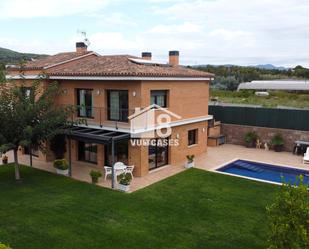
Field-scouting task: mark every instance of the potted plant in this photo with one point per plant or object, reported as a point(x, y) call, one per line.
point(61, 166)
point(250, 139)
point(190, 161)
point(95, 175)
point(124, 182)
point(5, 159)
point(277, 142)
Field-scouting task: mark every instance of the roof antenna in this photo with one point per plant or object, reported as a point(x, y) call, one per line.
point(83, 35)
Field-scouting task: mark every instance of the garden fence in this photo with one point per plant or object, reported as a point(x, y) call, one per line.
point(294, 119)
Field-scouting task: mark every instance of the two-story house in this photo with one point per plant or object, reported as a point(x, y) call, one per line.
point(108, 90)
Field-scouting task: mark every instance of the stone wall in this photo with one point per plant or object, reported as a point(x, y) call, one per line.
point(235, 134)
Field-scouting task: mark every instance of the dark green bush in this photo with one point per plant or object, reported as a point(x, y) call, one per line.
point(95, 175)
point(277, 140)
point(61, 164)
point(289, 218)
point(250, 138)
point(125, 179)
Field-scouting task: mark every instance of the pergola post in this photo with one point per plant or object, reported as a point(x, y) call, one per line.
point(30, 154)
point(70, 157)
point(98, 136)
point(113, 162)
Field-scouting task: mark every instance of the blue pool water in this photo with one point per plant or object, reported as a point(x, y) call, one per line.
point(264, 171)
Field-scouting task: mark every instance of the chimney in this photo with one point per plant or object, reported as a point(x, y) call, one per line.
point(81, 47)
point(173, 58)
point(146, 56)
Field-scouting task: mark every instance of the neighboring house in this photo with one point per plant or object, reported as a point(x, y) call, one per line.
point(107, 89)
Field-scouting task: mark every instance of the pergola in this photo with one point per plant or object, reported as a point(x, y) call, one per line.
point(98, 136)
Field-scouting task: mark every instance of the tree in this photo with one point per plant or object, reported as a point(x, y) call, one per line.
point(2, 74)
point(301, 72)
point(29, 116)
point(289, 218)
point(228, 77)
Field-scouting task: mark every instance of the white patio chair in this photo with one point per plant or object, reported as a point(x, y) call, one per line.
point(119, 168)
point(129, 169)
point(306, 156)
point(108, 171)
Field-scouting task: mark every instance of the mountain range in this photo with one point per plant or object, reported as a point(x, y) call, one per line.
point(270, 67)
point(261, 66)
point(9, 56)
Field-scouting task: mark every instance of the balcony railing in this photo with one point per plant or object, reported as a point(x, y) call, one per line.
point(118, 117)
point(102, 116)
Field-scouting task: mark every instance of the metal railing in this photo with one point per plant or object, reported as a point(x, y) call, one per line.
point(99, 115)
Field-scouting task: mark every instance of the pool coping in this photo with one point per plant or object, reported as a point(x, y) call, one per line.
point(215, 170)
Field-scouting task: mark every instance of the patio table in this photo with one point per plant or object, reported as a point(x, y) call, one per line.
point(118, 169)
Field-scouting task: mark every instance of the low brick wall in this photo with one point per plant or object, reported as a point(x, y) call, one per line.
point(235, 134)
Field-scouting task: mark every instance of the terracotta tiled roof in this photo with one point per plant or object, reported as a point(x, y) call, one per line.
point(114, 65)
point(121, 65)
point(52, 60)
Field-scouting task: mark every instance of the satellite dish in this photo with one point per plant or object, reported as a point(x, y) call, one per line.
point(87, 42)
point(83, 34)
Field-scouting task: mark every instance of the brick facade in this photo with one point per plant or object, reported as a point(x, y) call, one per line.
point(186, 98)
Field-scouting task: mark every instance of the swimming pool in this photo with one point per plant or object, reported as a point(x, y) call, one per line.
point(264, 172)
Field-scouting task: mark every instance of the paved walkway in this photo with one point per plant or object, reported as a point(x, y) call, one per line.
point(218, 156)
point(215, 157)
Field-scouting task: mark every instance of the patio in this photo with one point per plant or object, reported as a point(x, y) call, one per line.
point(215, 157)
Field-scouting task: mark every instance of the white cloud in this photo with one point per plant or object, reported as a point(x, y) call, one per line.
point(48, 8)
point(186, 27)
point(116, 19)
point(111, 41)
point(37, 45)
point(245, 32)
point(205, 31)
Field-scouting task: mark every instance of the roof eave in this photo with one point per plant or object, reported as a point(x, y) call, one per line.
point(102, 78)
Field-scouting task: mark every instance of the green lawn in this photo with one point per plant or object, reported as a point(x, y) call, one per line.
point(194, 209)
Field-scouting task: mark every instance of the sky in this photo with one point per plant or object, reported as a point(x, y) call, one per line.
point(242, 32)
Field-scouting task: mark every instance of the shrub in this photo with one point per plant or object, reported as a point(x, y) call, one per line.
point(277, 142)
point(125, 179)
point(2, 246)
point(61, 164)
point(250, 138)
point(190, 158)
point(289, 218)
point(95, 175)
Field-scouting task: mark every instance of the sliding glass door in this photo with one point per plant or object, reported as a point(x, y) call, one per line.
point(87, 152)
point(121, 153)
point(158, 155)
point(85, 103)
point(117, 104)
